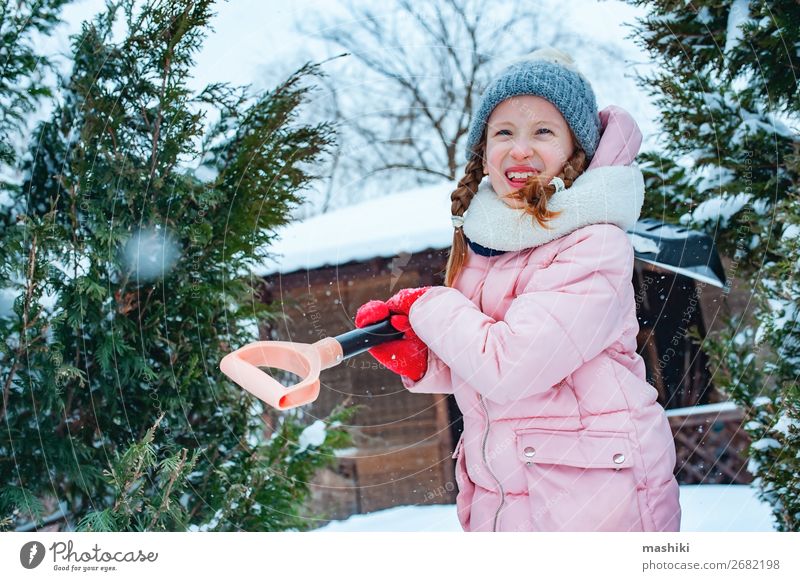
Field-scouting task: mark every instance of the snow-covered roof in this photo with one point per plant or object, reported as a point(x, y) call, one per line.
point(409, 221)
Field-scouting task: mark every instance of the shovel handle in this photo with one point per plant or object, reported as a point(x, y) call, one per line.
point(359, 340)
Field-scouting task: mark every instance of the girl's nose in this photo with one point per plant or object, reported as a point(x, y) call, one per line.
point(521, 150)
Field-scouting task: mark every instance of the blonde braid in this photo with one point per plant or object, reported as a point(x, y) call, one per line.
point(461, 198)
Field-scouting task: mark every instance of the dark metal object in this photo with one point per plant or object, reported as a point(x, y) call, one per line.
point(679, 250)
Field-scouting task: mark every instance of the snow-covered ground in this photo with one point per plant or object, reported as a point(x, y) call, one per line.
point(705, 508)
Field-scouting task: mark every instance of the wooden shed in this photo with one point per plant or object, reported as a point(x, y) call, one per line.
point(327, 266)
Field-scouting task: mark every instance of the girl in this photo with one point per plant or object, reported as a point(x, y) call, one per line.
point(535, 330)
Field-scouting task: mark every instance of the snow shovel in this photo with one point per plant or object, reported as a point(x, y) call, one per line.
point(303, 359)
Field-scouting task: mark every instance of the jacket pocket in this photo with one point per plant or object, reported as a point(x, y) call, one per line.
point(466, 488)
point(579, 480)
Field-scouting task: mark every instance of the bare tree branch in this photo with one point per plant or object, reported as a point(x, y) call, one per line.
point(432, 58)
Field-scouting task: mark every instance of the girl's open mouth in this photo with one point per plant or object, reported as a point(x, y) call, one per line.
point(518, 176)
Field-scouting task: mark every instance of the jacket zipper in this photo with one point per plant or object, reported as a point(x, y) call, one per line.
point(488, 467)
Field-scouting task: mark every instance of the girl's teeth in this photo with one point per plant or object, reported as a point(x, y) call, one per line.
point(519, 176)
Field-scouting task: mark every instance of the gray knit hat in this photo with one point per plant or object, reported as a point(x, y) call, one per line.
point(552, 75)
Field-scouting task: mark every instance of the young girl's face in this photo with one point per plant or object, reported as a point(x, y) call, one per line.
point(525, 135)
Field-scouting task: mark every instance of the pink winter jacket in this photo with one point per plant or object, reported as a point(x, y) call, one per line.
point(561, 430)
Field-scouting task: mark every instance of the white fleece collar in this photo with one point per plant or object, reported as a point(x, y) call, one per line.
point(605, 195)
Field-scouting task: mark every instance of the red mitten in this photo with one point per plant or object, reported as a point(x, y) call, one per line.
point(407, 356)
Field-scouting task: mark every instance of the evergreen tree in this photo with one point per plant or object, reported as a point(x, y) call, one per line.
point(135, 228)
point(727, 89)
point(21, 75)
point(22, 89)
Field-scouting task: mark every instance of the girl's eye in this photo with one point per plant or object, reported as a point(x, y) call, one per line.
point(543, 130)
point(503, 132)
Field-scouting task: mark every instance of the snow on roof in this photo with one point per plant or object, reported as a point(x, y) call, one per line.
point(409, 221)
point(723, 406)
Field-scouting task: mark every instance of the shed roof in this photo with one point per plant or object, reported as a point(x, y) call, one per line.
point(409, 221)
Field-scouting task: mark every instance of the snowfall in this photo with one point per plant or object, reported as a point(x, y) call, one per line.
point(705, 508)
point(234, 53)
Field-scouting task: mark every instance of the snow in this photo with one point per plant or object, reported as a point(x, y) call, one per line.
point(250, 327)
point(784, 423)
point(77, 267)
point(644, 245)
point(714, 177)
point(752, 123)
point(790, 231)
point(704, 15)
point(151, 253)
point(209, 526)
point(765, 444)
point(345, 452)
point(761, 333)
point(313, 435)
point(753, 465)
point(7, 296)
point(738, 16)
point(723, 406)
point(719, 507)
point(716, 208)
point(705, 508)
point(435, 517)
point(206, 173)
point(405, 222)
point(784, 310)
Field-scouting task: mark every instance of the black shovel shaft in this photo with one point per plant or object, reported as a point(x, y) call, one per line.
point(359, 340)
